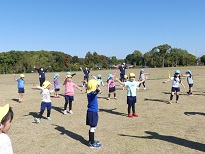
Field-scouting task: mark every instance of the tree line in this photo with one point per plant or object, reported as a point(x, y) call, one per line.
point(160, 56)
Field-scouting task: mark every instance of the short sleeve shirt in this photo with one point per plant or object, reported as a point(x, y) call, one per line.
point(131, 87)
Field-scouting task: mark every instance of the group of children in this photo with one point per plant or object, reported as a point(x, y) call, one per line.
point(92, 89)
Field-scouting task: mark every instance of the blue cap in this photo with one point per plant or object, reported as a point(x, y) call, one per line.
point(99, 75)
point(188, 71)
point(109, 76)
point(177, 72)
point(68, 73)
point(55, 75)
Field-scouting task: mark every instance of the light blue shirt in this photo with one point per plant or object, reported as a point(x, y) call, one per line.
point(131, 87)
point(20, 83)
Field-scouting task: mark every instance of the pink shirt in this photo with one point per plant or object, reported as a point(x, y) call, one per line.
point(111, 82)
point(69, 88)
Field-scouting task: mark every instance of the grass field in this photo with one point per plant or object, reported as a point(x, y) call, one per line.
point(160, 128)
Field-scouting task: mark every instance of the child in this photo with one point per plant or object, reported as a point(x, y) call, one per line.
point(6, 117)
point(69, 73)
point(176, 81)
point(86, 73)
point(111, 85)
point(46, 100)
point(69, 93)
point(92, 112)
point(21, 89)
point(56, 85)
point(124, 80)
point(189, 81)
point(99, 79)
point(131, 86)
point(142, 77)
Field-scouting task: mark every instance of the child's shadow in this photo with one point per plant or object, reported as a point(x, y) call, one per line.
point(34, 114)
point(73, 135)
point(57, 109)
point(111, 111)
point(155, 100)
point(15, 100)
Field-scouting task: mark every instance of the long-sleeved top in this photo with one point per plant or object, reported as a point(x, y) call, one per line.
point(42, 72)
point(45, 94)
point(56, 83)
point(111, 82)
point(93, 101)
point(69, 88)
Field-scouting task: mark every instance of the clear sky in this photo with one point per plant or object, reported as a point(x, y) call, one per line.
point(108, 27)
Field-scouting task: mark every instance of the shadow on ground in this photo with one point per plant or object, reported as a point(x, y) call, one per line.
point(171, 139)
point(72, 135)
point(111, 111)
point(194, 113)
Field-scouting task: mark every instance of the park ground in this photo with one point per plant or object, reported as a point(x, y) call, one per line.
point(160, 128)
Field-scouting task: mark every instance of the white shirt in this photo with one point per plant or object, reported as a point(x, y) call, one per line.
point(45, 94)
point(5, 144)
point(175, 82)
point(189, 79)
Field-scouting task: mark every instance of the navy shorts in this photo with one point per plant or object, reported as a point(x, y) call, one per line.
point(92, 118)
point(21, 90)
point(111, 89)
point(69, 98)
point(131, 100)
point(57, 89)
point(190, 85)
point(175, 89)
point(45, 105)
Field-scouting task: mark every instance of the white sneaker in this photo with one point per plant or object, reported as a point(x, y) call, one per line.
point(37, 120)
point(170, 102)
point(145, 88)
point(108, 98)
point(71, 112)
point(49, 118)
point(115, 98)
point(65, 112)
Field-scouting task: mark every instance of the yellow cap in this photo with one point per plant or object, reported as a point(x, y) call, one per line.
point(131, 75)
point(45, 84)
point(3, 111)
point(69, 76)
point(22, 75)
point(92, 85)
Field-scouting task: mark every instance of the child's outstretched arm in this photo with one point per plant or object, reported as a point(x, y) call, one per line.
point(93, 77)
point(117, 79)
point(166, 81)
point(37, 87)
point(182, 84)
point(15, 77)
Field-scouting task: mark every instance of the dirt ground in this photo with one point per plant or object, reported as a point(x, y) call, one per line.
point(160, 128)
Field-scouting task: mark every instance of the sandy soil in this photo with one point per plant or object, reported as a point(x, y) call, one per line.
point(160, 128)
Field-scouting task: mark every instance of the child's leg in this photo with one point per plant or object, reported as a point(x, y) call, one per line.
point(139, 84)
point(133, 108)
point(92, 134)
point(41, 113)
point(48, 112)
point(129, 108)
point(70, 105)
point(115, 95)
point(143, 84)
point(65, 105)
point(109, 95)
point(177, 96)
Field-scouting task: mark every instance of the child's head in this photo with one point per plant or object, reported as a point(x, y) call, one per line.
point(22, 76)
point(125, 76)
point(92, 85)
point(109, 76)
point(56, 75)
point(46, 85)
point(68, 73)
point(132, 77)
point(177, 73)
point(6, 116)
point(141, 71)
point(99, 76)
point(188, 72)
point(41, 68)
point(69, 78)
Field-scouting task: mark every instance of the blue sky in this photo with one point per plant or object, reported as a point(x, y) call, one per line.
point(108, 27)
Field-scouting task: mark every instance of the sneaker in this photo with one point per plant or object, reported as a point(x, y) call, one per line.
point(71, 112)
point(48, 118)
point(177, 101)
point(20, 101)
point(94, 145)
point(137, 88)
point(135, 114)
point(130, 115)
point(115, 98)
point(108, 98)
point(65, 112)
point(37, 120)
point(95, 141)
point(170, 102)
point(145, 88)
